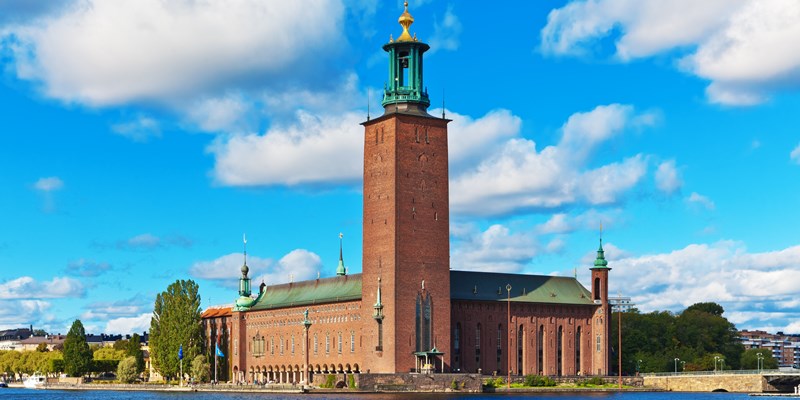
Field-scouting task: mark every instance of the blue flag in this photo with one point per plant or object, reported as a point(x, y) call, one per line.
point(180, 353)
point(219, 352)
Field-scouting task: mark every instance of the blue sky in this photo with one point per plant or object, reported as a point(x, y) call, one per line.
point(140, 139)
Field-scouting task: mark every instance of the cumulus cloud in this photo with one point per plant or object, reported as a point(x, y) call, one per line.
point(139, 130)
point(28, 288)
point(99, 53)
point(739, 46)
point(17, 313)
point(129, 325)
point(148, 241)
point(592, 219)
point(226, 270)
point(49, 184)
point(496, 249)
point(795, 154)
point(700, 200)
point(750, 286)
point(446, 32)
point(518, 176)
point(667, 178)
point(105, 311)
point(87, 268)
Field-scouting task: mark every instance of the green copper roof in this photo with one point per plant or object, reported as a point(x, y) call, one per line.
point(487, 286)
point(317, 291)
point(600, 262)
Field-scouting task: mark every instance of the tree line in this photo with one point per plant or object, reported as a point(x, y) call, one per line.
point(699, 337)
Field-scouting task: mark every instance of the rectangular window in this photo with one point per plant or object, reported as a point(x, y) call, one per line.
point(599, 343)
point(316, 344)
point(292, 344)
point(236, 347)
point(352, 341)
point(340, 342)
point(327, 343)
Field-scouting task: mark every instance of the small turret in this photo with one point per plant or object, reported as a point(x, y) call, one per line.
point(340, 269)
point(244, 301)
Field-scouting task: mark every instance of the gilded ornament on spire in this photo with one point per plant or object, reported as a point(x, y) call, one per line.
point(405, 20)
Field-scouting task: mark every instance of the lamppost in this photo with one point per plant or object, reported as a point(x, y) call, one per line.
point(676, 365)
point(508, 369)
point(638, 366)
point(759, 362)
point(722, 364)
point(683, 366)
point(306, 325)
point(716, 359)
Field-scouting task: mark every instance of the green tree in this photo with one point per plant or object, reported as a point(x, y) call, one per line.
point(109, 353)
point(126, 371)
point(134, 349)
point(121, 344)
point(42, 347)
point(750, 359)
point(709, 308)
point(77, 354)
point(176, 322)
point(201, 370)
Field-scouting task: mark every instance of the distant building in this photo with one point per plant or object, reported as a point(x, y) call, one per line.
point(784, 348)
point(620, 303)
point(11, 339)
point(33, 342)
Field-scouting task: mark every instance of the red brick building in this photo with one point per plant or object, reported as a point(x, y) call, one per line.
point(408, 310)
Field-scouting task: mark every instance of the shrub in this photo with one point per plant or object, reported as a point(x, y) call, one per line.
point(126, 371)
point(330, 382)
point(351, 381)
point(454, 384)
point(536, 380)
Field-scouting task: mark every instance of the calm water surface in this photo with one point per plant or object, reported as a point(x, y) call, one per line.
point(13, 393)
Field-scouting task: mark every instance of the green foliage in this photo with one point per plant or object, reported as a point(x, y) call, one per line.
point(42, 347)
point(176, 321)
point(201, 370)
point(126, 371)
point(454, 384)
point(109, 353)
point(749, 359)
point(102, 366)
point(537, 380)
point(351, 381)
point(77, 354)
point(121, 344)
point(39, 332)
point(494, 382)
point(658, 338)
point(594, 381)
point(134, 349)
point(330, 382)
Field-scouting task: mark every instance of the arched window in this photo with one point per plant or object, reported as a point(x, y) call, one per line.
point(478, 346)
point(457, 346)
point(424, 323)
point(578, 350)
point(540, 348)
point(499, 346)
point(597, 288)
point(520, 348)
point(560, 350)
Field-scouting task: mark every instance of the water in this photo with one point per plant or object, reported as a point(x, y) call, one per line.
point(13, 393)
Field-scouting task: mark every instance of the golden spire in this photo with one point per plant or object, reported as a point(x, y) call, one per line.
point(405, 20)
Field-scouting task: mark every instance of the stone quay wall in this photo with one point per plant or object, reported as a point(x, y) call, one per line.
point(709, 383)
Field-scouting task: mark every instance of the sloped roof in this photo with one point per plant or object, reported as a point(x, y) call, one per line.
point(488, 286)
point(316, 291)
point(217, 311)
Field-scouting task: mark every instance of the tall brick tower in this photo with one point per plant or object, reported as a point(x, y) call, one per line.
point(406, 247)
point(601, 323)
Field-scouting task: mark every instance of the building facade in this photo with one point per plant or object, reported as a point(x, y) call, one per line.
point(408, 310)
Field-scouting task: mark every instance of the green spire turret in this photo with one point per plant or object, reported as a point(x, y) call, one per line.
point(405, 91)
point(340, 269)
point(244, 301)
point(600, 261)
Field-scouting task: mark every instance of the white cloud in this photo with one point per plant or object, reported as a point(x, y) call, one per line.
point(316, 150)
point(496, 249)
point(26, 287)
point(129, 325)
point(87, 268)
point(302, 264)
point(446, 32)
point(699, 199)
point(139, 130)
point(739, 46)
point(667, 178)
point(795, 154)
point(100, 53)
point(470, 139)
point(49, 184)
point(231, 112)
point(517, 176)
point(145, 240)
point(591, 220)
point(18, 313)
point(755, 288)
point(558, 223)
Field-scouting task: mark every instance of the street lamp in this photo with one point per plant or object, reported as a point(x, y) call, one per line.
point(638, 366)
point(306, 325)
point(759, 361)
point(683, 366)
point(508, 325)
point(716, 359)
point(676, 365)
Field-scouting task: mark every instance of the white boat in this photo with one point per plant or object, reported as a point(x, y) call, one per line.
point(35, 381)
